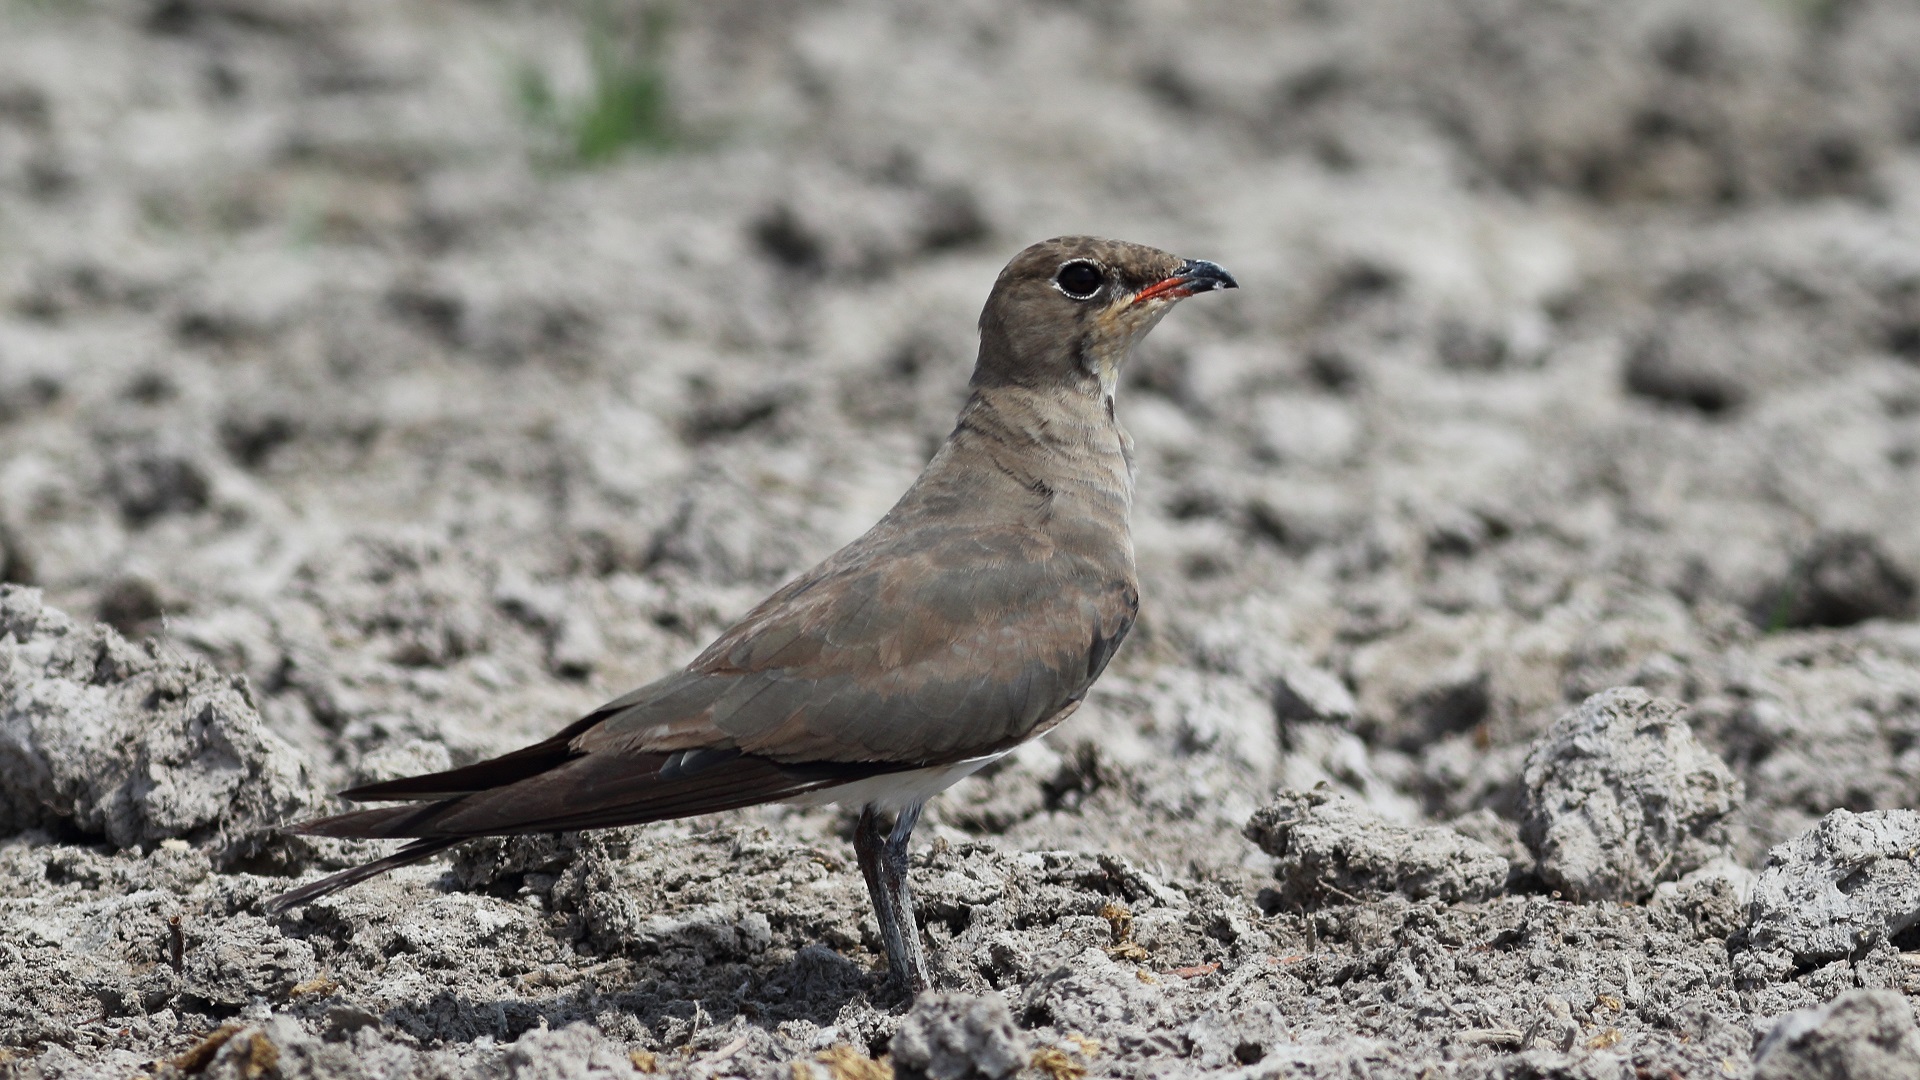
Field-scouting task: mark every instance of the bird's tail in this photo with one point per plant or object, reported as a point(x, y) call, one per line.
point(406, 856)
point(550, 787)
point(435, 794)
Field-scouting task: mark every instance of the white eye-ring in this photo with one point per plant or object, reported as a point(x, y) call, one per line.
point(1079, 279)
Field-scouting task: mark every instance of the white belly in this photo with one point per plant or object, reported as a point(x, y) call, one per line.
point(893, 792)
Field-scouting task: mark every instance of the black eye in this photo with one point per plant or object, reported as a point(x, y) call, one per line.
point(1080, 279)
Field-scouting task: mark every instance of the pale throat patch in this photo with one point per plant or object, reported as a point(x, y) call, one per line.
point(1127, 322)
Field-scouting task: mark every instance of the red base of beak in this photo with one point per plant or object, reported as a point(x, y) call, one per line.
point(1197, 276)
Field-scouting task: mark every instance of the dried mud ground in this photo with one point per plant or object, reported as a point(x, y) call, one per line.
point(383, 384)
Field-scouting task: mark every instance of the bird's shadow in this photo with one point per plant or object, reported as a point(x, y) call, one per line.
point(815, 985)
point(663, 987)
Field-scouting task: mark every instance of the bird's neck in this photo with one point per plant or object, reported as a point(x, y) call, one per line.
point(1060, 453)
point(1070, 421)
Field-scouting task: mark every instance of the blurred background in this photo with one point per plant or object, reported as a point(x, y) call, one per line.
point(449, 367)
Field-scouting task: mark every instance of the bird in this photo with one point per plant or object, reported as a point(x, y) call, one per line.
point(974, 616)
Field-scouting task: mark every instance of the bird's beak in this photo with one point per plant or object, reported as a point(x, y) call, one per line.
point(1194, 276)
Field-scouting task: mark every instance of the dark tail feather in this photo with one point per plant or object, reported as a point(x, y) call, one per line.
point(382, 823)
point(481, 775)
point(549, 787)
point(406, 856)
point(445, 789)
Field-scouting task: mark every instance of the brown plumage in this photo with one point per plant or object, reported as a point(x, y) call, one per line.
point(972, 617)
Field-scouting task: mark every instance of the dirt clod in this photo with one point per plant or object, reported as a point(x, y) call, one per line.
point(1860, 1035)
point(1331, 848)
point(1837, 890)
point(1620, 797)
point(131, 743)
point(958, 1037)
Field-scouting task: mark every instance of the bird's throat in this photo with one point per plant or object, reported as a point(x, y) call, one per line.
point(1109, 374)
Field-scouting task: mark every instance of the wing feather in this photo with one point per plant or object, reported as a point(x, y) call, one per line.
point(598, 790)
point(959, 644)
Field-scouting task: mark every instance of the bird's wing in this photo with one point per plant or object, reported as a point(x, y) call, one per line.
point(586, 791)
point(546, 788)
point(886, 657)
point(956, 643)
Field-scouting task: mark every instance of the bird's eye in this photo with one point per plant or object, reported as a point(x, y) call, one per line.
point(1080, 279)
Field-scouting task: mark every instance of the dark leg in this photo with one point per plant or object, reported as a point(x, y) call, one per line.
point(883, 860)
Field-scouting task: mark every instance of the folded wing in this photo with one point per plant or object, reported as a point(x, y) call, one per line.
point(886, 657)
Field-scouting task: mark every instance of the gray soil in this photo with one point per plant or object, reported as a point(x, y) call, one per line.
point(1528, 680)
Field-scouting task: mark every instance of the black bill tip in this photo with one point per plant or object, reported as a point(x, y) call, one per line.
point(1193, 276)
point(1201, 276)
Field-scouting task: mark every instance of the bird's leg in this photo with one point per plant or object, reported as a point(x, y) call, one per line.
point(883, 860)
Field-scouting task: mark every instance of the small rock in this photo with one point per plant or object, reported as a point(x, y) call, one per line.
point(1329, 846)
point(1842, 579)
point(1716, 898)
point(1224, 1040)
point(1860, 1035)
point(1500, 835)
point(1685, 364)
point(279, 1047)
point(1090, 991)
point(131, 743)
point(1619, 797)
point(1554, 1027)
point(958, 1037)
point(578, 1051)
point(1840, 887)
point(1304, 693)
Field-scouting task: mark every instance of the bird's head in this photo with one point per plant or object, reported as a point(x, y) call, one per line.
point(1066, 311)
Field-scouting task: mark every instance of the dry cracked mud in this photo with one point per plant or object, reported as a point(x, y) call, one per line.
point(1528, 680)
